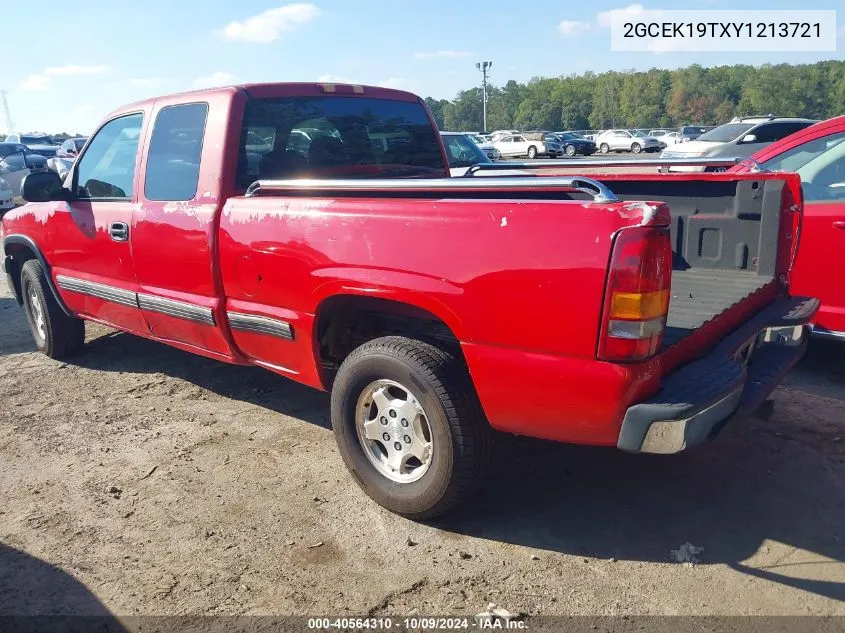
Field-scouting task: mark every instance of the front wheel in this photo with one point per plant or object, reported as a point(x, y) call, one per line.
point(570, 150)
point(636, 148)
point(55, 333)
point(409, 426)
point(604, 148)
point(532, 152)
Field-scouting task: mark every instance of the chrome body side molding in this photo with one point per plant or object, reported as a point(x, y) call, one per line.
point(101, 291)
point(260, 324)
point(178, 309)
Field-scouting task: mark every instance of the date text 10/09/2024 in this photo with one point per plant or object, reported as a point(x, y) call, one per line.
point(482, 621)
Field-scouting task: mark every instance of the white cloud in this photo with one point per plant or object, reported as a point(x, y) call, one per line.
point(572, 28)
point(66, 71)
point(269, 25)
point(441, 54)
point(631, 11)
point(394, 82)
point(214, 80)
point(36, 83)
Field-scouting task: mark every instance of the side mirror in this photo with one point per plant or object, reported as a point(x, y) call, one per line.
point(748, 138)
point(43, 186)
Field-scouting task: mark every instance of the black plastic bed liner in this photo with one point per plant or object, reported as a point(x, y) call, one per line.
point(701, 294)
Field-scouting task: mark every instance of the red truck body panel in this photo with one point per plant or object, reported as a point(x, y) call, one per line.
point(822, 233)
point(520, 282)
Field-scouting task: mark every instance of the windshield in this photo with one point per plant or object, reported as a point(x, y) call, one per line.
point(36, 140)
point(336, 137)
point(726, 133)
point(638, 133)
point(79, 143)
point(478, 139)
point(462, 152)
point(797, 157)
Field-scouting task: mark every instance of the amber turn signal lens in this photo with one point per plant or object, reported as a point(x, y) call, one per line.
point(639, 305)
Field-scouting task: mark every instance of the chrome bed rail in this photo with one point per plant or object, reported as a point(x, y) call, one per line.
point(595, 189)
point(586, 165)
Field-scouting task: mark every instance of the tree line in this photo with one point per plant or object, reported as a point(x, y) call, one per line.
point(654, 98)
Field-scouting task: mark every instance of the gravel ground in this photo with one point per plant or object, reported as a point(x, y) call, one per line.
point(138, 479)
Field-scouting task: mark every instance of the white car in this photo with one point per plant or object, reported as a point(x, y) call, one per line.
point(625, 141)
point(495, 136)
point(518, 145)
point(486, 146)
point(669, 138)
point(7, 196)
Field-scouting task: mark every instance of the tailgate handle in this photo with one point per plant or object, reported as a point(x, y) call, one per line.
point(119, 231)
point(839, 224)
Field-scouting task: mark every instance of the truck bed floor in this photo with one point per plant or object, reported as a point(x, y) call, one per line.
point(699, 295)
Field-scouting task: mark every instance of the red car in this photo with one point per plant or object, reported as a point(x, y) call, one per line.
point(817, 153)
point(313, 230)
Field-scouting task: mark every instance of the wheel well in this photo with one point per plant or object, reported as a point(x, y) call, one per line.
point(18, 255)
point(346, 322)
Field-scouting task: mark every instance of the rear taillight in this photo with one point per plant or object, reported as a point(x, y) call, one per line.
point(637, 295)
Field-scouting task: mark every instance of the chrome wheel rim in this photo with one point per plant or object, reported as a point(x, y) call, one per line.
point(394, 431)
point(37, 314)
point(570, 151)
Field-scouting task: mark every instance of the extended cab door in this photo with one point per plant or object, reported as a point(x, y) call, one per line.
point(91, 234)
point(175, 223)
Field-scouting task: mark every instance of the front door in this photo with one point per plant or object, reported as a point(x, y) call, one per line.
point(93, 265)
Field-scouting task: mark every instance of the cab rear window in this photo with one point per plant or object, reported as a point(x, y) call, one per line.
point(336, 137)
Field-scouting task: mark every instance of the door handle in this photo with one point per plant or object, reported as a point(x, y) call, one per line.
point(839, 224)
point(119, 231)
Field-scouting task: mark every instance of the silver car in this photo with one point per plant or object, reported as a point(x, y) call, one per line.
point(627, 141)
point(16, 161)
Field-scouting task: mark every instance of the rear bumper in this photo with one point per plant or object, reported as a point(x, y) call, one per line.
point(732, 382)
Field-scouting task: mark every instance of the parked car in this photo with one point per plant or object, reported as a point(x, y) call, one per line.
point(434, 309)
point(71, 147)
point(691, 132)
point(659, 132)
point(515, 145)
point(7, 196)
point(669, 138)
point(817, 154)
point(462, 152)
point(573, 144)
point(486, 146)
point(626, 141)
point(41, 144)
point(16, 162)
point(738, 139)
point(495, 136)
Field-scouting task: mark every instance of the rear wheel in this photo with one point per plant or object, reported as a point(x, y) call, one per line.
point(604, 148)
point(636, 148)
point(570, 150)
point(55, 333)
point(409, 426)
point(532, 152)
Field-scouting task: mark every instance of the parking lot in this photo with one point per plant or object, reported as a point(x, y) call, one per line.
point(139, 479)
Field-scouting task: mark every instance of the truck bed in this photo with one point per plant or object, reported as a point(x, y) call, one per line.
point(700, 295)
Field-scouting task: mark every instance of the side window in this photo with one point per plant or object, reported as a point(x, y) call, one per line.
point(107, 169)
point(797, 157)
point(772, 132)
point(173, 162)
point(12, 163)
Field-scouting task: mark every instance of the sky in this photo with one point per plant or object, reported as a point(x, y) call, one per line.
point(78, 61)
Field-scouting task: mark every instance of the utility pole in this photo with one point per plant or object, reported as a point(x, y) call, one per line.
point(9, 125)
point(484, 67)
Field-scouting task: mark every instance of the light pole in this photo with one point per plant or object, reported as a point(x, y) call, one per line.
point(484, 67)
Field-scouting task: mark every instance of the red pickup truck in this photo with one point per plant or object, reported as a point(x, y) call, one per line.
point(312, 229)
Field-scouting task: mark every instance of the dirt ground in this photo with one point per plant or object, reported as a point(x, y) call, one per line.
point(138, 479)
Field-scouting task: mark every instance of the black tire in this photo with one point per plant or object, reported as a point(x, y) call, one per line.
point(636, 148)
point(570, 150)
point(461, 438)
point(532, 152)
point(59, 335)
point(604, 148)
